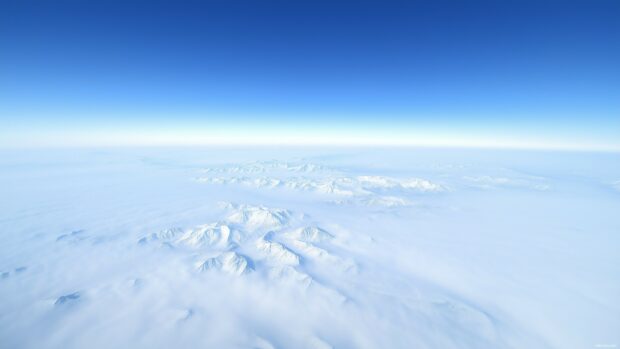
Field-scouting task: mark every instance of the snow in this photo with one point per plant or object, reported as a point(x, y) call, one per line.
point(288, 273)
point(310, 234)
point(308, 248)
point(228, 262)
point(326, 181)
point(488, 182)
point(213, 234)
point(258, 217)
point(277, 252)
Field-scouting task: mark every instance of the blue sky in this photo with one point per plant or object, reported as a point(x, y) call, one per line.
point(489, 73)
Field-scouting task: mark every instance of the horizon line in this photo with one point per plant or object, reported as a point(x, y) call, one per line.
point(346, 143)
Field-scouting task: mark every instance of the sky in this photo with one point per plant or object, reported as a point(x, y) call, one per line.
point(531, 74)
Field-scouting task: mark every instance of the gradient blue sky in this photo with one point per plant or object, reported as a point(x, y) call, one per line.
point(498, 73)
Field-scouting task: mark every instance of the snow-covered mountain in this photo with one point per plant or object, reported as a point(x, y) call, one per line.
point(320, 248)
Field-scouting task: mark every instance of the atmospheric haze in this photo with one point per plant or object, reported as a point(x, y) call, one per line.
point(222, 247)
